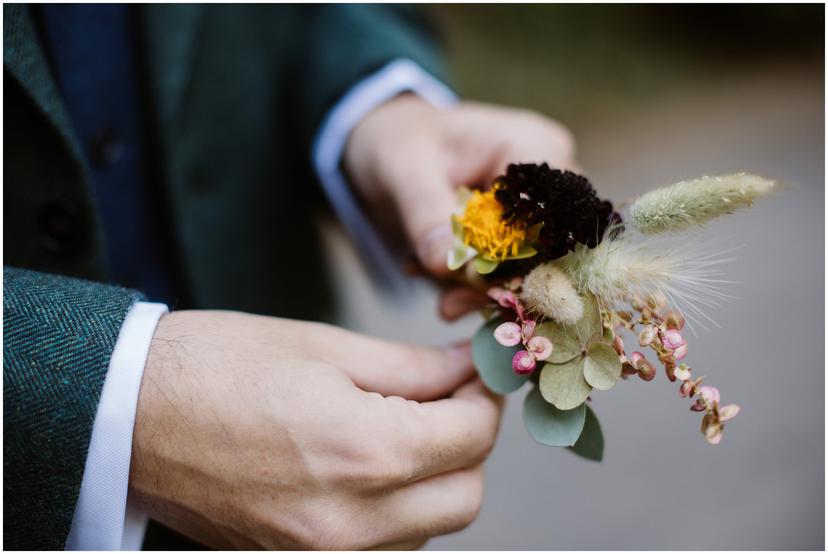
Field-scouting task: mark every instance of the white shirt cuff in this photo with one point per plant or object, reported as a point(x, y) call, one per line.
point(399, 76)
point(103, 520)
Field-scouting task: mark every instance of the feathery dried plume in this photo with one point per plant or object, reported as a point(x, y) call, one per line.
point(688, 203)
point(548, 291)
point(619, 269)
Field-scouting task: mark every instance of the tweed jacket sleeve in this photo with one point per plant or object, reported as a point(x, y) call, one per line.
point(58, 337)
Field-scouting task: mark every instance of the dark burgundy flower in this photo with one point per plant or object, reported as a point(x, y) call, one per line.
point(563, 201)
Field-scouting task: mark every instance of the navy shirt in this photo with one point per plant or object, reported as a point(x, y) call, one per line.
point(94, 56)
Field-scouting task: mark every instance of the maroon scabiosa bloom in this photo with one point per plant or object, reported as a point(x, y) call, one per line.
point(564, 202)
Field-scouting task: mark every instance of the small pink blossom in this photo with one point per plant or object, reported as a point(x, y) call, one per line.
point(528, 330)
point(540, 347)
point(682, 373)
point(507, 334)
point(635, 359)
point(618, 345)
point(523, 363)
point(709, 394)
point(714, 434)
point(680, 352)
point(507, 299)
point(495, 293)
point(672, 339)
point(728, 412)
point(647, 335)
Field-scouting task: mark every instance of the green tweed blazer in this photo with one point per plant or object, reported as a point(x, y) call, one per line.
point(237, 94)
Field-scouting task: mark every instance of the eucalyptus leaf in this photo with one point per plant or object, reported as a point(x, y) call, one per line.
point(484, 266)
point(602, 367)
point(494, 361)
point(563, 384)
point(550, 426)
point(564, 339)
point(590, 444)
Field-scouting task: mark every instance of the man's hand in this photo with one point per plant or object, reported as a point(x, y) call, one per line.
point(414, 156)
point(262, 432)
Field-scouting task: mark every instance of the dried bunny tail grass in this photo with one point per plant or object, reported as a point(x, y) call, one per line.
point(688, 203)
point(617, 270)
point(548, 291)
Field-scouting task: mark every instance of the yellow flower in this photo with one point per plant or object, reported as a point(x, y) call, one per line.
point(485, 230)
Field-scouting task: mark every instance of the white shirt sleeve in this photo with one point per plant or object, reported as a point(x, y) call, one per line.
point(103, 518)
point(399, 76)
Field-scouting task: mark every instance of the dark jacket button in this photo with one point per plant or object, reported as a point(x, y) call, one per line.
point(106, 148)
point(61, 228)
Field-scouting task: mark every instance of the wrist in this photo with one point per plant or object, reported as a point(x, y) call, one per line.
point(159, 411)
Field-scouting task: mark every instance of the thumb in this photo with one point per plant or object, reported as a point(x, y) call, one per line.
point(426, 200)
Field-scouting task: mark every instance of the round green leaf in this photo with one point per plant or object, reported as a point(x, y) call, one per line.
point(565, 344)
point(602, 367)
point(563, 384)
point(494, 361)
point(550, 426)
point(590, 444)
point(590, 327)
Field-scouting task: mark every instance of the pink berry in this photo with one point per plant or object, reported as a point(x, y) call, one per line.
point(507, 334)
point(523, 363)
point(540, 347)
point(672, 339)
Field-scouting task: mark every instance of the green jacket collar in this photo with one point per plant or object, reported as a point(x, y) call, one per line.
point(24, 61)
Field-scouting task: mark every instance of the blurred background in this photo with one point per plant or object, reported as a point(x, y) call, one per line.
point(655, 94)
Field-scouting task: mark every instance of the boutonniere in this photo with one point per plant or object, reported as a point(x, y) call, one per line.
point(572, 285)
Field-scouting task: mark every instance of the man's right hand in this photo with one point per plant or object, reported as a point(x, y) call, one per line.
point(259, 432)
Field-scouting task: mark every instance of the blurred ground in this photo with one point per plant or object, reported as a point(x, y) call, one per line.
point(654, 98)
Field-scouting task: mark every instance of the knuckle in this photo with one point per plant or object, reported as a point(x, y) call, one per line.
point(471, 508)
point(374, 465)
point(332, 528)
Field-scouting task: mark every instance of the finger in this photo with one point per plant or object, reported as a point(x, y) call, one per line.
point(426, 199)
point(448, 434)
point(459, 301)
point(435, 506)
point(404, 545)
point(396, 369)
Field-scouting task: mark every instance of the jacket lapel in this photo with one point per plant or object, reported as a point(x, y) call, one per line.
point(170, 33)
point(24, 60)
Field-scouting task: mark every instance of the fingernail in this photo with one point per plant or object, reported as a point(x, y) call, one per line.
point(434, 247)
